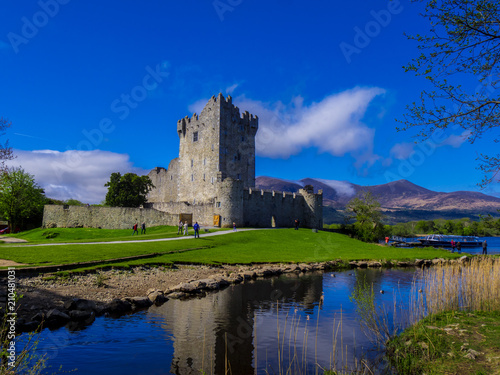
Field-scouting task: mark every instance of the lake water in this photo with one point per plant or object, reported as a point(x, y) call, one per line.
point(239, 328)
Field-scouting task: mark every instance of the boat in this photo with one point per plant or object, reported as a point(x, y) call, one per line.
point(442, 240)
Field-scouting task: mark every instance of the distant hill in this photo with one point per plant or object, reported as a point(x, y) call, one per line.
point(400, 200)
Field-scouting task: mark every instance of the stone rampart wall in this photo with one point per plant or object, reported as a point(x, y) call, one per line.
point(264, 208)
point(104, 217)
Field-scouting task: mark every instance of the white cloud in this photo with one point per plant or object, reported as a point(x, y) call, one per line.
point(402, 150)
point(455, 140)
point(230, 89)
point(333, 125)
point(73, 174)
point(341, 187)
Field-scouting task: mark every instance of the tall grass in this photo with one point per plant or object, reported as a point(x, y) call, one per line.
point(474, 286)
point(437, 294)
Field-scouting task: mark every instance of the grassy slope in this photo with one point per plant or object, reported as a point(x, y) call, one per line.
point(263, 246)
point(438, 345)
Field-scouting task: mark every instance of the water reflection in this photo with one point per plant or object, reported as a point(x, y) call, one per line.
point(218, 330)
point(259, 327)
point(248, 327)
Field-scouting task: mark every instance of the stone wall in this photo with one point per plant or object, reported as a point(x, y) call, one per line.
point(202, 213)
point(265, 208)
point(104, 217)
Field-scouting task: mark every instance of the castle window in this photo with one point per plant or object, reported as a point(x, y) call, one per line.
point(212, 180)
point(195, 136)
point(192, 163)
point(239, 177)
point(192, 177)
point(217, 204)
point(212, 147)
point(203, 176)
point(171, 177)
point(204, 161)
point(242, 139)
point(242, 128)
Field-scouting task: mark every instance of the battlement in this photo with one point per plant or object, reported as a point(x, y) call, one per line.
point(222, 109)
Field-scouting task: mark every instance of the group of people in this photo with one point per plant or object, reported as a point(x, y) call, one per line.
point(136, 226)
point(183, 227)
point(458, 246)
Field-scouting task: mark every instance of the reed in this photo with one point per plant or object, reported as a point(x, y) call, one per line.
point(473, 286)
point(443, 296)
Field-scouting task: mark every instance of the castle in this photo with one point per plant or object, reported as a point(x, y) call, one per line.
point(211, 182)
point(213, 179)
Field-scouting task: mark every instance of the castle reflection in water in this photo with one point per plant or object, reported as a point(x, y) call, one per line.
point(222, 325)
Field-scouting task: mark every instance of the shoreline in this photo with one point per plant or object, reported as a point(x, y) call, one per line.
point(80, 297)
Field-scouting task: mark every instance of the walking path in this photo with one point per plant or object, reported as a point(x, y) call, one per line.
point(129, 241)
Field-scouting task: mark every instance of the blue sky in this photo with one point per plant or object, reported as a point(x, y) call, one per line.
point(93, 88)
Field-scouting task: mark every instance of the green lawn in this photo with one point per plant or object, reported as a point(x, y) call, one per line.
point(57, 235)
point(261, 246)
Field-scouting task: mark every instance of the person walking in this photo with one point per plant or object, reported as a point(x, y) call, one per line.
point(143, 228)
point(186, 228)
point(196, 228)
point(452, 246)
point(135, 230)
point(179, 231)
point(485, 248)
point(234, 226)
point(296, 224)
point(459, 247)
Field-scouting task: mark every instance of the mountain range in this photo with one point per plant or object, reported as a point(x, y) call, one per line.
point(400, 200)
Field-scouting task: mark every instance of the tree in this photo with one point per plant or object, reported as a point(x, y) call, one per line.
point(128, 190)
point(21, 199)
point(464, 43)
point(5, 150)
point(366, 210)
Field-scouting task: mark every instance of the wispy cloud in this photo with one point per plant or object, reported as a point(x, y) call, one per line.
point(74, 174)
point(344, 188)
point(230, 89)
point(402, 150)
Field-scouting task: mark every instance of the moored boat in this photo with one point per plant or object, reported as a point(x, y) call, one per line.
point(442, 240)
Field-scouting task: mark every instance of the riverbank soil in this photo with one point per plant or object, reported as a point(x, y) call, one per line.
point(48, 291)
point(449, 343)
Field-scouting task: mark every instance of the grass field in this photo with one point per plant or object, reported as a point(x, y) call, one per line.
point(242, 247)
point(57, 235)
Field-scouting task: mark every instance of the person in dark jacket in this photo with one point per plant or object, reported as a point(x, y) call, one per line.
point(196, 228)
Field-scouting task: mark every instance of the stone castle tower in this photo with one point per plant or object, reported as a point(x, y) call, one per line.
point(217, 144)
point(213, 178)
